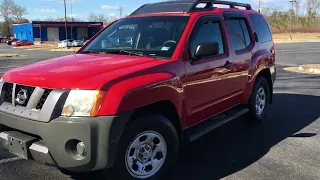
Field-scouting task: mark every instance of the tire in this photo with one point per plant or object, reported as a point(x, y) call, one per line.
point(258, 101)
point(142, 129)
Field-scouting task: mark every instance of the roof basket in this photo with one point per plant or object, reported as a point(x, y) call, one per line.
point(185, 6)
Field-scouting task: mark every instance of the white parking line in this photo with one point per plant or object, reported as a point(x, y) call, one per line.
point(285, 50)
point(297, 52)
point(14, 66)
point(3, 161)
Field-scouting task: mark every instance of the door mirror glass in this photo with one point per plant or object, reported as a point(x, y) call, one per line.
point(206, 49)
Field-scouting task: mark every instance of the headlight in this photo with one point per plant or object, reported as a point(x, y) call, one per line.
point(82, 103)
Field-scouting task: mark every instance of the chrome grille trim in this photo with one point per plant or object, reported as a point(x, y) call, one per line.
point(35, 98)
point(13, 94)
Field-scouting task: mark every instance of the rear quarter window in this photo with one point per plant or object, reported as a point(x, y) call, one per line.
point(261, 27)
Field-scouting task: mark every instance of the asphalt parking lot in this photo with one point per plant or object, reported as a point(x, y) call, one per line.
point(286, 146)
point(28, 57)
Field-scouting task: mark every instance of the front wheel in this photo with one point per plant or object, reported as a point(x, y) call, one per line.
point(148, 148)
point(259, 100)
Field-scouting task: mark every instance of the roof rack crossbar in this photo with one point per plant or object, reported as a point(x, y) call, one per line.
point(233, 4)
point(209, 5)
point(185, 6)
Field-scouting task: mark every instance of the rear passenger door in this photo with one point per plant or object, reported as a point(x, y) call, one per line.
point(242, 45)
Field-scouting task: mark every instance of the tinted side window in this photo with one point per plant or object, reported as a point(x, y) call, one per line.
point(237, 36)
point(206, 32)
point(261, 27)
point(245, 32)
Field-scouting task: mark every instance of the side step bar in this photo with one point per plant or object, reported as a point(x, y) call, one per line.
point(210, 124)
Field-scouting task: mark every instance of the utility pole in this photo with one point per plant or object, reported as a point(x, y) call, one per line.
point(65, 18)
point(71, 18)
point(291, 13)
point(120, 11)
point(259, 5)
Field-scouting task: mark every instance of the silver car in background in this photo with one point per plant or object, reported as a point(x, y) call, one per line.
point(77, 43)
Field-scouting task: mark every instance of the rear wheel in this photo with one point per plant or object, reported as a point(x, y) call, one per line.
point(259, 100)
point(148, 148)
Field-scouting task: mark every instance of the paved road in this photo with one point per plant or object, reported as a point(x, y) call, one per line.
point(286, 146)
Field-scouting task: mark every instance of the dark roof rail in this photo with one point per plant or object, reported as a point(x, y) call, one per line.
point(135, 12)
point(185, 6)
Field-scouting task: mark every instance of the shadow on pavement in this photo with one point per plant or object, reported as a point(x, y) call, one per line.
point(237, 145)
point(303, 135)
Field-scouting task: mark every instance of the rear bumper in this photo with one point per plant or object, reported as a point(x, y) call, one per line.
point(54, 143)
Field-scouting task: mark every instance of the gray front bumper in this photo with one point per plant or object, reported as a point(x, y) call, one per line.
point(49, 141)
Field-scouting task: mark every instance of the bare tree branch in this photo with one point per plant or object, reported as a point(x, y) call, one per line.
point(101, 18)
point(11, 13)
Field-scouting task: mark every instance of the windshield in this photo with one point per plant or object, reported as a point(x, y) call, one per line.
point(148, 36)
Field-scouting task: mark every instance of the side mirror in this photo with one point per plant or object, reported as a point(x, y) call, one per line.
point(206, 49)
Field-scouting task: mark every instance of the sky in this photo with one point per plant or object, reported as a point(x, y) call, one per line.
point(41, 9)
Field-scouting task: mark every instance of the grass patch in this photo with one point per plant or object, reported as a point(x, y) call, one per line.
point(4, 55)
point(296, 37)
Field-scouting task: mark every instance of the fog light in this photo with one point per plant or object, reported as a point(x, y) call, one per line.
point(68, 110)
point(82, 149)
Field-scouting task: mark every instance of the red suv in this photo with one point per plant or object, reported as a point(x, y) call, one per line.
point(128, 99)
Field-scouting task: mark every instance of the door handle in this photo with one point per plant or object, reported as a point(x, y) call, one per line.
point(227, 65)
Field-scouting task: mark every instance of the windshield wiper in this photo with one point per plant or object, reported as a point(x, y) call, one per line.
point(120, 51)
point(132, 53)
point(89, 52)
point(129, 52)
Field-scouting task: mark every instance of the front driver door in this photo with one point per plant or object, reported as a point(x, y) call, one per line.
point(209, 87)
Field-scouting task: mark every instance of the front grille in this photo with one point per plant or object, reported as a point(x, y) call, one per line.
point(8, 88)
point(43, 98)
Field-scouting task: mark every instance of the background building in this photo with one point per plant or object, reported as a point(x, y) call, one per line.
point(55, 31)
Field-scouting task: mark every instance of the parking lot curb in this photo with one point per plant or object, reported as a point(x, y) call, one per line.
point(312, 68)
point(305, 69)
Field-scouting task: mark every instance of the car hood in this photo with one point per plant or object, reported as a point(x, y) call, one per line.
point(83, 71)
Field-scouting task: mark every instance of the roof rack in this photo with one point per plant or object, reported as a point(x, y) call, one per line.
point(185, 6)
point(234, 4)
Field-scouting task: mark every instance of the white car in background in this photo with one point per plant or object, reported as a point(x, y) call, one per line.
point(65, 43)
point(77, 43)
point(86, 42)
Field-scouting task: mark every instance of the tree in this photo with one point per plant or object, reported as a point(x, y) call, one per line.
point(6, 11)
point(101, 18)
point(18, 13)
point(11, 13)
point(97, 17)
point(297, 7)
point(314, 5)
